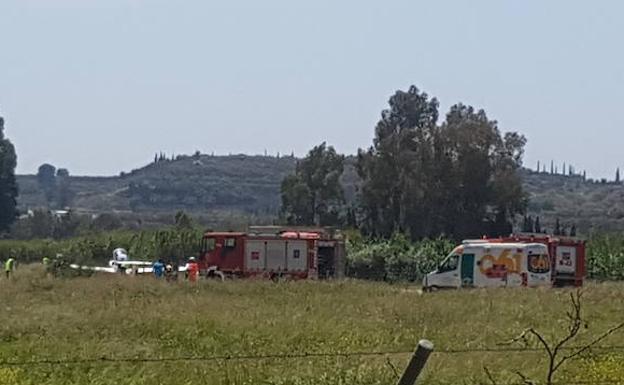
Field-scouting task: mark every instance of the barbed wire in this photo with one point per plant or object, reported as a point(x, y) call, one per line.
point(282, 356)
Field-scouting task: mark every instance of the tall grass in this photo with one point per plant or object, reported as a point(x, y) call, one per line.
point(140, 317)
point(605, 256)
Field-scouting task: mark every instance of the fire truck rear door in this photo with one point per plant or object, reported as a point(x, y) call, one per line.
point(296, 255)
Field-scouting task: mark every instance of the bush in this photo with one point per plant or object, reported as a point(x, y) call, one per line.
point(605, 257)
point(395, 259)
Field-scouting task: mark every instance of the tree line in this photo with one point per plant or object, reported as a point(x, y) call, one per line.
point(8, 183)
point(55, 184)
point(420, 177)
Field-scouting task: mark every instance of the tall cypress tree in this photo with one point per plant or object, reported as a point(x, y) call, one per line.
point(8, 184)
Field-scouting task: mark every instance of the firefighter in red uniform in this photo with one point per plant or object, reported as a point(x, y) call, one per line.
point(192, 270)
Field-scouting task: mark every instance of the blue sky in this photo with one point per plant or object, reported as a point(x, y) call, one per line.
point(99, 86)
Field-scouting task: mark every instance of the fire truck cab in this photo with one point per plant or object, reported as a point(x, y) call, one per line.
point(272, 252)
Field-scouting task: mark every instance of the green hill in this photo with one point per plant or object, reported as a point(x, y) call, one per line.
point(246, 184)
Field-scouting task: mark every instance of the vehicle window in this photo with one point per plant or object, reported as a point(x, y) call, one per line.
point(538, 263)
point(449, 264)
point(207, 244)
point(230, 242)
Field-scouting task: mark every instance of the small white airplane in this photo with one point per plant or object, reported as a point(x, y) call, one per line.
point(121, 264)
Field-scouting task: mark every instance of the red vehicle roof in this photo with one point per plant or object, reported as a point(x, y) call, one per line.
point(223, 234)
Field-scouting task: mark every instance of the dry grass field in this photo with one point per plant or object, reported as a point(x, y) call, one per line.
point(136, 330)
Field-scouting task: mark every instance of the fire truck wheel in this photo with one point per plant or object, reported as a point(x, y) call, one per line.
point(276, 277)
point(215, 275)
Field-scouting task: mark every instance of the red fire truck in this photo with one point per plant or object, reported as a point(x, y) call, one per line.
point(272, 252)
point(567, 256)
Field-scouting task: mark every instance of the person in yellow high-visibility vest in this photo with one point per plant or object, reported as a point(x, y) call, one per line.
point(47, 265)
point(9, 266)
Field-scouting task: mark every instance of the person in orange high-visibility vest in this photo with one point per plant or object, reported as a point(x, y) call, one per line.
point(192, 270)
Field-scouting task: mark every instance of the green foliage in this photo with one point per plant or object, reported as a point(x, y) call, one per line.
point(605, 257)
point(8, 184)
point(313, 195)
point(43, 224)
point(459, 179)
point(398, 259)
point(98, 248)
point(395, 259)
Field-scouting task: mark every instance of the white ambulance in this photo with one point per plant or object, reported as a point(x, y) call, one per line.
point(484, 264)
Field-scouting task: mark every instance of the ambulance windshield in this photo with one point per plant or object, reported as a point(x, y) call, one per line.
point(538, 263)
point(449, 264)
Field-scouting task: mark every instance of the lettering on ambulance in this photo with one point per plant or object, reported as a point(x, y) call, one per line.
point(499, 267)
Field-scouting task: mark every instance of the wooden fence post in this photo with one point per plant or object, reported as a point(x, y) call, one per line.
point(417, 363)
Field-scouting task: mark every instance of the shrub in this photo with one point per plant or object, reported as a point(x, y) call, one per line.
point(394, 259)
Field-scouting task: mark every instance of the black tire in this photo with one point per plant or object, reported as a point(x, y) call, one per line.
point(215, 275)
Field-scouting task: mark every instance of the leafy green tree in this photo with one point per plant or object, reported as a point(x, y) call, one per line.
point(183, 221)
point(62, 173)
point(557, 227)
point(8, 184)
point(314, 194)
point(46, 176)
point(296, 197)
point(458, 179)
point(64, 194)
point(394, 184)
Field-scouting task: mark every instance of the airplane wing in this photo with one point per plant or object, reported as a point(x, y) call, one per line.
point(131, 267)
point(133, 263)
point(94, 268)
